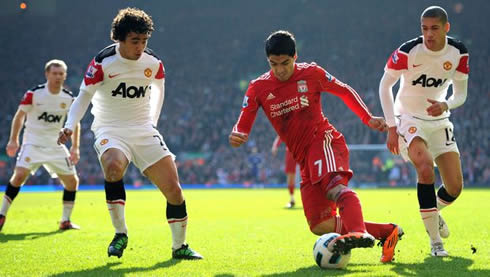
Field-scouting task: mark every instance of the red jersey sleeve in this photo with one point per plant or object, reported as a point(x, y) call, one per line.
point(27, 101)
point(161, 72)
point(397, 61)
point(464, 66)
point(94, 73)
point(249, 112)
point(348, 95)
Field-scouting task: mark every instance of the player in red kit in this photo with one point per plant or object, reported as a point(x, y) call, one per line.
point(290, 95)
point(289, 169)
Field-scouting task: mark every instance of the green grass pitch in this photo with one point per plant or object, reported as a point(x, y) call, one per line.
point(239, 232)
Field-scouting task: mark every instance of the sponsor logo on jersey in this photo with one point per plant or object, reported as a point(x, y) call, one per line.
point(428, 82)
point(245, 102)
point(394, 57)
point(270, 96)
point(63, 105)
point(27, 159)
point(416, 65)
point(302, 86)
point(50, 117)
point(104, 141)
point(113, 75)
point(447, 65)
point(284, 107)
point(91, 72)
point(130, 91)
point(304, 101)
point(412, 130)
point(148, 72)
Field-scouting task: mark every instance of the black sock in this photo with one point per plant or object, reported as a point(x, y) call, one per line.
point(69, 196)
point(426, 196)
point(442, 194)
point(115, 190)
point(11, 191)
point(176, 211)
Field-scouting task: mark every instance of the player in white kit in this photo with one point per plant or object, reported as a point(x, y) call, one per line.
point(44, 109)
point(125, 83)
point(419, 119)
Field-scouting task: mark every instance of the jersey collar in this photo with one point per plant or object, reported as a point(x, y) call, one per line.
point(434, 53)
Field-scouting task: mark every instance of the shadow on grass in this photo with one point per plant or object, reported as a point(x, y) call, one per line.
point(26, 236)
point(107, 270)
point(432, 266)
point(315, 271)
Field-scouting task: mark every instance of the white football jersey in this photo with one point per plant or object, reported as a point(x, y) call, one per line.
point(426, 74)
point(45, 113)
point(122, 87)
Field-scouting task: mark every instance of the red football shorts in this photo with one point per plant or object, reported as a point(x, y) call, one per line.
point(290, 163)
point(325, 166)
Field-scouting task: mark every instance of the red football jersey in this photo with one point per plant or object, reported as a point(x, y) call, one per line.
point(294, 107)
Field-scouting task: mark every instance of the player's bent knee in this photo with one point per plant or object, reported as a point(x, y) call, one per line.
point(327, 226)
point(114, 171)
point(334, 193)
point(454, 190)
point(425, 172)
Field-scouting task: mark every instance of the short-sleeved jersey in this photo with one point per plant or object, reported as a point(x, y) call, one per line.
point(426, 74)
point(45, 115)
point(294, 107)
point(122, 87)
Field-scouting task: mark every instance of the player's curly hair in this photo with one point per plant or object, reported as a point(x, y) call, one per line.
point(130, 20)
point(280, 43)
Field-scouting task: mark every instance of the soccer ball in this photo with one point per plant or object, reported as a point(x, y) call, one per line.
point(324, 258)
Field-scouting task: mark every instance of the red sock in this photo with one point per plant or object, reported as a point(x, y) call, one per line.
point(350, 212)
point(291, 189)
point(378, 230)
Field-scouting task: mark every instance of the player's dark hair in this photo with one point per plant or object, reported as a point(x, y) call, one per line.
point(280, 43)
point(130, 20)
point(435, 12)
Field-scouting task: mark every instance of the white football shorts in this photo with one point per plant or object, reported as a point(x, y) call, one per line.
point(56, 160)
point(143, 145)
point(438, 134)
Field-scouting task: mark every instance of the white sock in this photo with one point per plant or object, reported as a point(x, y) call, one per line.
point(67, 210)
point(5, 205)
point(441, 204)
point(430, 217)
point(178, 228)
point(116, 210)
point(292, 197)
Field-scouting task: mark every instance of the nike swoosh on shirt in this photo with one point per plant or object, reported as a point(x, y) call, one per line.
point(114, 75)
point(416, 65)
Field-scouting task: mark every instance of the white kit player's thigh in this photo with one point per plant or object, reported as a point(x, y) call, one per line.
point(409, 128)
point(107, 140)
point(442, 139)
point(148, 149)
point(29, 157)
point(59, 162)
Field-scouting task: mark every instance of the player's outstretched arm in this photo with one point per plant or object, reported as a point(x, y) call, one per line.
point(236, 139)
point(378, 123)
point(75, 146)
point(17, 122)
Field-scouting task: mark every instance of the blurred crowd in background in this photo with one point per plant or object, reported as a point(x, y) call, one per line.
point(212, 50)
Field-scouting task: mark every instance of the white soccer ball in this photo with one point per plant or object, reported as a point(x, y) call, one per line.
point(324, 258)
